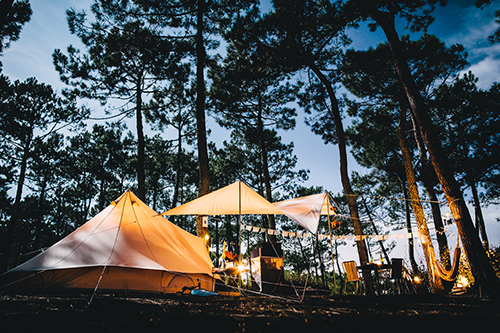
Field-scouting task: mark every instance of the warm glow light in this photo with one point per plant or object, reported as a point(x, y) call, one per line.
point(462, 282)
point(417, 279)
point(242, 268)
point(207, 237)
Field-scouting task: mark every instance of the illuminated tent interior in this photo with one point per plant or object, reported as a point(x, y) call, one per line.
point(127, 246)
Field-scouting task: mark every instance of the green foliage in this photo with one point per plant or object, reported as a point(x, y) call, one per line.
point(495, 37)
point(123, 53)
point(468, 119)
point(149, 47)
point(13, 15)
point(417, 13)
point(494, 255)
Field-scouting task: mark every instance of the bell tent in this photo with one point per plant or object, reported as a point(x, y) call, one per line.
point(126, 247)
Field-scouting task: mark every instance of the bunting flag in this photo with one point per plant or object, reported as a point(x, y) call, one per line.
point(291, 234)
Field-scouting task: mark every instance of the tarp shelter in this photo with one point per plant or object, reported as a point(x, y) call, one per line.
point(128, 247)
point(235, 199)
point(239, 199)
point(307, 210)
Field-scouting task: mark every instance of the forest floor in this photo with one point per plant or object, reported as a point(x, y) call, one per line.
point(188, 313)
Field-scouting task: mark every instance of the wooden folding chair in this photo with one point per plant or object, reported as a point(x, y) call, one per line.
point(352, 276)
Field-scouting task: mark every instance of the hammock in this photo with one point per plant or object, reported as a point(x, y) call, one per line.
point(450, 275)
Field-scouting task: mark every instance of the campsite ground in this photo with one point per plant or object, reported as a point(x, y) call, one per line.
point(187, 313)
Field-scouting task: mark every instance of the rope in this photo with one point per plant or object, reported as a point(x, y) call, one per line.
point(243, 289)
point(112, 249)
point(392, 198)
point(21, 279)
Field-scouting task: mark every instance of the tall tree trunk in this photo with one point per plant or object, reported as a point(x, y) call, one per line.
point(411, 244)
point(480, 227)
point(320, 259)
point(434, 281)
point(304, 256)
point(344, 175)
point(175, 198)
point(341, 279)
point(444, 251)
point(271, 224)
point(102, 197)
point(39, 218)
point(375, 230)
point(141, 177)
point(204, 172)
point(12, 223)
point(480, 265)
point(177, 183)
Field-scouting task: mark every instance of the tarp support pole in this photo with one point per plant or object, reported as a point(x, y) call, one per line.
point(331, 245)
point(239, 236)
point(239, 222)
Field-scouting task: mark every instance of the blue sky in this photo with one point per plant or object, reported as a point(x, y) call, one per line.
point(459, 22)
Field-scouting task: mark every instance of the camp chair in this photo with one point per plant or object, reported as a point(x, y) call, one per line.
point(401, 276)
point(397, 268)
point(352, 275)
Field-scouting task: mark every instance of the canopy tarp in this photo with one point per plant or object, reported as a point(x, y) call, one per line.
point(307, 210)
point(235, 199)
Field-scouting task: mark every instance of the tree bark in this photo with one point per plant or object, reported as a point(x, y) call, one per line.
point(203, 164)
point(480, 265)
point(375, 230)
point(411, 245)
point(271, 224)
point(141, 177)
point(344, 175)
point(12, 223)
point(480, 227)
point(434, 281)
point(175, 198)
point(41, 212)
point(444, 251)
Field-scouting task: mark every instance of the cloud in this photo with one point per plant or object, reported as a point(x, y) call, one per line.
point(472, 31)
point(487, 71)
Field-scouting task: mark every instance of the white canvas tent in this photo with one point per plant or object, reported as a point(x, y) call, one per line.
point(127, 246)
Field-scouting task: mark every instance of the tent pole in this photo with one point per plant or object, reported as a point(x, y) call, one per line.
point(331, 245)
point(239, 235)
point(239, 222)
point(217, 238)
point(249, 281)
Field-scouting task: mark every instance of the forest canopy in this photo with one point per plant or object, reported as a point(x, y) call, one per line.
point(147, 84)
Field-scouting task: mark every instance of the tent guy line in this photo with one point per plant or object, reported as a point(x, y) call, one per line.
point(127, 246)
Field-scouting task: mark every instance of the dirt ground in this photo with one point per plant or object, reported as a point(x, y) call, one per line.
point(187, 313)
